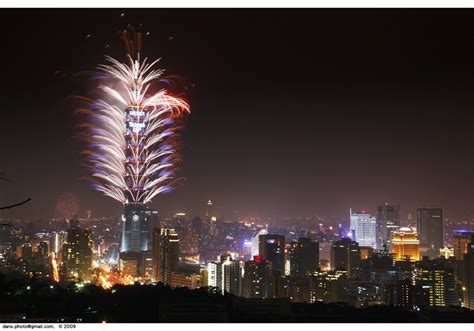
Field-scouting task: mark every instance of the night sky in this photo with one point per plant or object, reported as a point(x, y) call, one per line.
point(294, 112)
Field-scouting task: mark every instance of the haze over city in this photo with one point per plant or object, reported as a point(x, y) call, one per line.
point(294, 113)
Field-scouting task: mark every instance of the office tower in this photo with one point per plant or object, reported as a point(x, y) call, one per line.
point(468, 285)
point(345, 256)
point(272, 248)
point(461, 240)
point(363, 228)
point(405, 245)
point(77, 253)
point(136, 223)
point(256, 242)
point(430, 231)
point(225, 275)
point(260, 280)
point(247, 250)
point(388, 220)
point(165, 253)
point(231, 276)
point(304, 257)
point(328, 287)
point(435, 283)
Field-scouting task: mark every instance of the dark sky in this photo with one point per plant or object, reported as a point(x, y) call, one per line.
point(294, 112)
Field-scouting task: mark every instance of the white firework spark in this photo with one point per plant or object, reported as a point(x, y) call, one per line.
point(133, 133)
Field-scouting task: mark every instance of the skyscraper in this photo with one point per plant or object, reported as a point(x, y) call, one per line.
point(272, 248)
point(231, 276)
point(430, 231)
point(363, 227)
point(468, 285)
point(435, 283)
point(165, 253)
point(259, 279)
point(405, 245)
point(461, 240)
point(135, 228)
point(77, 253)
point(256, 242)
point(304, 257)
point(388, 220)
point(345, 256)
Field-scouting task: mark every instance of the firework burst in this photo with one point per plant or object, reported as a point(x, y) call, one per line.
point(132, 133)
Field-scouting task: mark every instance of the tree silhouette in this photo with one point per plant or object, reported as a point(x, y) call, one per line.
point(2, 177)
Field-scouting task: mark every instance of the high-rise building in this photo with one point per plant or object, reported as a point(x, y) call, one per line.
point(405, 245)
point(304, 257)
point(328, 287)
point(364, 230)
point(136, 223)
point(225, 275)
point(231, 276)
point(165, 253)
point(256, 242)
point(345, 256)
point(468, 285)
point(435, 283)
point(388, 220)
point(214, 275)
point(260, 280)
point(77, 253)
point(430, 231)
point(272, 248)
point(461, 240)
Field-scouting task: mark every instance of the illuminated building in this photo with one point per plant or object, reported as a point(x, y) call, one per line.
point(366, 252)
point(430, 231)
point(214, 275)
point(328, 286)
point(165, 253)
point(435, 283)
point(231, 276)
point(272, 248)
point(388, 220)
point(247, 250)
point(468, 285)
point(260, 280)
point(304, 257)
point(77, 253)
point(345, 256)
point(405, 245)
point(256, 242)
point(57, 241)
point(461, 240)
point(225, 275)
point(185, 279)
point(135, 228)
point(363, 227)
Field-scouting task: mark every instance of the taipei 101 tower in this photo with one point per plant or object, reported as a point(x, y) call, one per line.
point(132, 134)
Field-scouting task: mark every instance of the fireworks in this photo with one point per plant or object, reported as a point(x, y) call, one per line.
point(67, 205)
point(132, 132)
